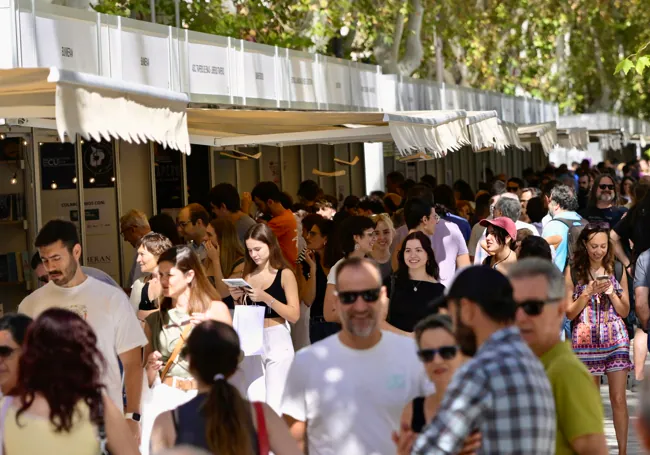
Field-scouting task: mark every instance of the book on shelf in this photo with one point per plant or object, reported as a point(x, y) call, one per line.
point(14, 267)
point(12, 207)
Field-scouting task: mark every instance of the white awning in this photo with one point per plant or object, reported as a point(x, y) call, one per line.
point(433, 133)
point(95, 107)
point(546, 133)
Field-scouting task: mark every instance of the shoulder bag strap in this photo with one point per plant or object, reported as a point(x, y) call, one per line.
point(262, 434)
point(3, 416)
point(177, 350)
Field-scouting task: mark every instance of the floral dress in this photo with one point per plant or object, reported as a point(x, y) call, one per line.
point(599, 336)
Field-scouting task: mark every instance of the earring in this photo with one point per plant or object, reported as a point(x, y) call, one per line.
point(356, 246)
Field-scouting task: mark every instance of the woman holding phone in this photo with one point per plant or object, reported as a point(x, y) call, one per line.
point(600, 302)
point(273, 285)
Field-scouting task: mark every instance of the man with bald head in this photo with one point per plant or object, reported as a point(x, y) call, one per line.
point(342, 396)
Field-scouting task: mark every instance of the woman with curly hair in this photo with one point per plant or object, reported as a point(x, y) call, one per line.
point(600, 302)
point(60, 405)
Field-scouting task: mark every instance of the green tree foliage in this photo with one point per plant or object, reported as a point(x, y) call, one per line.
point(567, 51)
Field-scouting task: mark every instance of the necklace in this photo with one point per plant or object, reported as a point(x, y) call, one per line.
point(415, 286)
point(494, 266)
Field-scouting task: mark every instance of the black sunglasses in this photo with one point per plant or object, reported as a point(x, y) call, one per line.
point(604, 186)
point(446, 352)
point(6, 351)
point(349, 297)
point(534, 307)
point(512, 189)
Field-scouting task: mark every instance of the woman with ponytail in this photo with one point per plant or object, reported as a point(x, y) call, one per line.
point(218, 419)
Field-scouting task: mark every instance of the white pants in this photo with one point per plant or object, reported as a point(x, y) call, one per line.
point(276, 361)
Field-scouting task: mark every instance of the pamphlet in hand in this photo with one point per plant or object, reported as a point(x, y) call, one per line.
point(236, 283)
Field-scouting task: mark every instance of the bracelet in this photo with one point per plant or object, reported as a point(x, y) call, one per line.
point(271, 302)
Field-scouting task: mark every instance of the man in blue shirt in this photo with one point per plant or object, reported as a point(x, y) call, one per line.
point(563, 205)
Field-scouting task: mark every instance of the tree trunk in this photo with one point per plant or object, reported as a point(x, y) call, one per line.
point(414, 50)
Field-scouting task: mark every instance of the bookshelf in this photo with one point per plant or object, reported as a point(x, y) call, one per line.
point(15, 272)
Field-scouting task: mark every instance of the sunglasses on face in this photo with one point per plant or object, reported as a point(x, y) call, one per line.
point(6, 351)
point(513, 189)
point(446, 353)
point(349, 297)
point(604, 186)
point(534, 307)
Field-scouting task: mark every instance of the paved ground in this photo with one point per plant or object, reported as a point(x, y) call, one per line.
point(633, 447)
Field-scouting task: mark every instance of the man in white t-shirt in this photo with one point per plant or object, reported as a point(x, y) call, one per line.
point(345, 394)
point(105, 307)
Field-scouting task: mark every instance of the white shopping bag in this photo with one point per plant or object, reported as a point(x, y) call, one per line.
point(248, 322)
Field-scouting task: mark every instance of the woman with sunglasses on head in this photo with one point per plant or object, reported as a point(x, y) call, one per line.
point(225, 256)
point(274, 287)
point(146, 290)
point(415, 285)
point(381, 250)
point(317, 262)
point(600, 302)
point(501, 236)
point(188, 299)
point(59, 405)
point(218, 419)
point(356, 238)
point(439, 352)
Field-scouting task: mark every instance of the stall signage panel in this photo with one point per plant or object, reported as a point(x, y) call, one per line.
point(259, 76)
point(66, 44)
point(208, 69)
point(364, 88)
point(337, 86)
point(145, 59)
point(408, 97)
point(301, 80)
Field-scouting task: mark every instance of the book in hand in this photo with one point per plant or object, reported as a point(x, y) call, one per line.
point(236, 283)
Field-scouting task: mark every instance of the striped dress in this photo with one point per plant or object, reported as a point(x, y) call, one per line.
point(599, 336)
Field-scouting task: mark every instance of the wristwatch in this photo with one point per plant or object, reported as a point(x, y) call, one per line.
point(132, 416)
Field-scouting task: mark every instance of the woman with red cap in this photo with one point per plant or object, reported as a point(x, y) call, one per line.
point(501, 235)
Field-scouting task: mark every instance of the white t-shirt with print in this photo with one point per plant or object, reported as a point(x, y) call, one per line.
point(107, 310)
point(353, 399)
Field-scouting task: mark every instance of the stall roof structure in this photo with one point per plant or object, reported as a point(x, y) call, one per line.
point(432, 133)
point(95, 107)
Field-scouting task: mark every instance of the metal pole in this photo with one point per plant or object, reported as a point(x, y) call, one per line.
point(152, 7)
point(177, 12)
point(440, 64)
point(81, 212)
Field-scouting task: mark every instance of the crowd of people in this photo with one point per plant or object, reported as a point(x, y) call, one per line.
point(426, 319)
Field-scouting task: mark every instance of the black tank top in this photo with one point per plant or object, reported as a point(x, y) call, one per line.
point(189, 422)
point(275, 291)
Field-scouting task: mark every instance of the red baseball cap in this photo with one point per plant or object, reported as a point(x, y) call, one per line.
point(504, 223)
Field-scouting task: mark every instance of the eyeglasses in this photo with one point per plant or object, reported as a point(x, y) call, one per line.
point(604, 186)
point(182, 223)
point(446, 353)
point(534, 307)
point(6, 351)
point(513, 189)
point(349, 297)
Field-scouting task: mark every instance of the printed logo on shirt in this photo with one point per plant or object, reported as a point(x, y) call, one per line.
point(79, 310)
point(396, 382)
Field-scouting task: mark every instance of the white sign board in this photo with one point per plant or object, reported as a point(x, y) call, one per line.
point(63, 43)
point(336, 89)
point(364, 88)
point(258, 80)
point(208, 69)
point(145, 58)
point(301, 80)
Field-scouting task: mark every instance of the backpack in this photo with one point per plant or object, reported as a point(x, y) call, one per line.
point(575, 228)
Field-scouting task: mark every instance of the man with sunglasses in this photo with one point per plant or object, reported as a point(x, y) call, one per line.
point(602, 206)
point(345, 394)
point(540, 294)
point(502, 391)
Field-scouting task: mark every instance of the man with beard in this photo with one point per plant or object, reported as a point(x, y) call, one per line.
point(345, 394)
point(540, 293)
point(105, 307)
point(602, 205)
point(503, 391)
